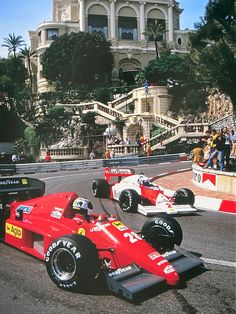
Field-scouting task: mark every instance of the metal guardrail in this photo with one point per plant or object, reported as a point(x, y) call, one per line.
point(7, 169)
point(88, 164)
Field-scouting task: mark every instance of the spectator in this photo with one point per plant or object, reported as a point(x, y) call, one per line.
point(213, 152)
point(197, 154)
point(220, 147)
point(48, 157)
point(22, 157)
point(92, 155)
point(233, 140)
point(228, 145)
point(3, 158)
point(126, 141)
point(148, 150)
point(15, 158)
point(206, 152)
point(107, 154)
point(112, 153)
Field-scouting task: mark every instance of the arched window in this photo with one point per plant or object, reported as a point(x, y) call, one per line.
point(97, 20)
point(127, 24)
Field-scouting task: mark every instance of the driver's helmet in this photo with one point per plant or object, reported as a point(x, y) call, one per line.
point(143, 180)
point(82, 205)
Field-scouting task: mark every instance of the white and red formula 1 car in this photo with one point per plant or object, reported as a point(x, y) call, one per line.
point(136, 192)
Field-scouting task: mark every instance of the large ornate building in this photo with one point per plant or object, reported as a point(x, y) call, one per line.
point(122, 22)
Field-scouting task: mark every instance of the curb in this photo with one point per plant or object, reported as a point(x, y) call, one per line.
point(203, 202)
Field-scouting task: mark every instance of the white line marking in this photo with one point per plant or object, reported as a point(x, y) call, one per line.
point(66, 176)
point(219, 262)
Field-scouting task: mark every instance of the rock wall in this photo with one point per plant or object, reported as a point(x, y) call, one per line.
point(219, 106)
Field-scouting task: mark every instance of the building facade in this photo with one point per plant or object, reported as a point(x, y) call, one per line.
point(122, 22)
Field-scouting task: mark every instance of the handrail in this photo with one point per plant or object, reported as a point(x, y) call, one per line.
point(182, 130)
point(98, 107)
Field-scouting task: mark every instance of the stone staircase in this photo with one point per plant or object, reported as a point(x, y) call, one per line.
point(103, 110)
point(174, 130)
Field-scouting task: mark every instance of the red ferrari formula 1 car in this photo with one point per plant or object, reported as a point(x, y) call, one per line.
point(77, 245)
point(139, 193)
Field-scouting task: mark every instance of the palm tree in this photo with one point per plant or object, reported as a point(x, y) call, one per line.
point(27, 54)
point(155, 30)
point(12, 42)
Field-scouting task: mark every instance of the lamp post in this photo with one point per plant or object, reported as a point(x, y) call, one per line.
point(146, 92)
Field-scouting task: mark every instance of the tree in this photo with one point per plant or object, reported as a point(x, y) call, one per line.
point(52, 124)
point(178, 68)
point(155, 30)
point(77, 59)
point(32, 140)
point(119, 124)
point(13, 42)
point(27, 54)
point(13, 75)
point(11, 127)
point(214, 46)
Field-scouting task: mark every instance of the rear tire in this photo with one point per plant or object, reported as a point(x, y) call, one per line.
point(100, 188)
point(162, 232)
point(184, 197)
point(72, 261)
point(129, 200)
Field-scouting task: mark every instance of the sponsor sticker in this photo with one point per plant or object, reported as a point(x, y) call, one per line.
point(163, 261)
point(24, 181)
point(99, 227)
point(169, 253)
point(14, 231)
point(121, 171)
point(24, 208)
point(58, 209)
point(81, 231)
point(119, 225)
point(154, 255)
point(120, 271)
point(56, 214)
point(169, 269)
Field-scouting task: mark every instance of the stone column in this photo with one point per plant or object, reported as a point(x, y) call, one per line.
point(170, 22)
point(113, 19)
point(81, 15)
point(142, 20)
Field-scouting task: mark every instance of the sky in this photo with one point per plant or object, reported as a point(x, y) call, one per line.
point(21, 16)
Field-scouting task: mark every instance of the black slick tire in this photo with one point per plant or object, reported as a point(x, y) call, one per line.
point(72, 261)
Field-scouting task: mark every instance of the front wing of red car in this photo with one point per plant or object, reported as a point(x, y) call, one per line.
point(131, 281)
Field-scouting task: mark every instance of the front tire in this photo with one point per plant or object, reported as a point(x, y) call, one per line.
point(184, 197)
point(162, 232)
point(129, 200)
point(100, 188)
point(72, 261)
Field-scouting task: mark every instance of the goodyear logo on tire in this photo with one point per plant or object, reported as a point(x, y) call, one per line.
point(14, 231)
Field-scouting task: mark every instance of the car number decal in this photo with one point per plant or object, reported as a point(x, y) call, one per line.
point(132, 236)
point(14, 231)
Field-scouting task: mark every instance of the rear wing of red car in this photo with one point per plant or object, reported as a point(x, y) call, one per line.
point(19, 189)
point(118, 173)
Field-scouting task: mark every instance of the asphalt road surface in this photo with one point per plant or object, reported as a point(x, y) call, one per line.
point(26, 288)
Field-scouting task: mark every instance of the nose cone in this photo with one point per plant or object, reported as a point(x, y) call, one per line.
point(172, 277)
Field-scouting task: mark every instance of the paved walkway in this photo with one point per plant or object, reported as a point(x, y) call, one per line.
point(184, 180)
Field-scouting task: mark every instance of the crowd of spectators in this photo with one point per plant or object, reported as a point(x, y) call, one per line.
point(15, 158)
point(216, 150)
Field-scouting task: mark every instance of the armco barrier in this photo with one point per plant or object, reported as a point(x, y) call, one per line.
point(90, 164)
point(7, 169)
